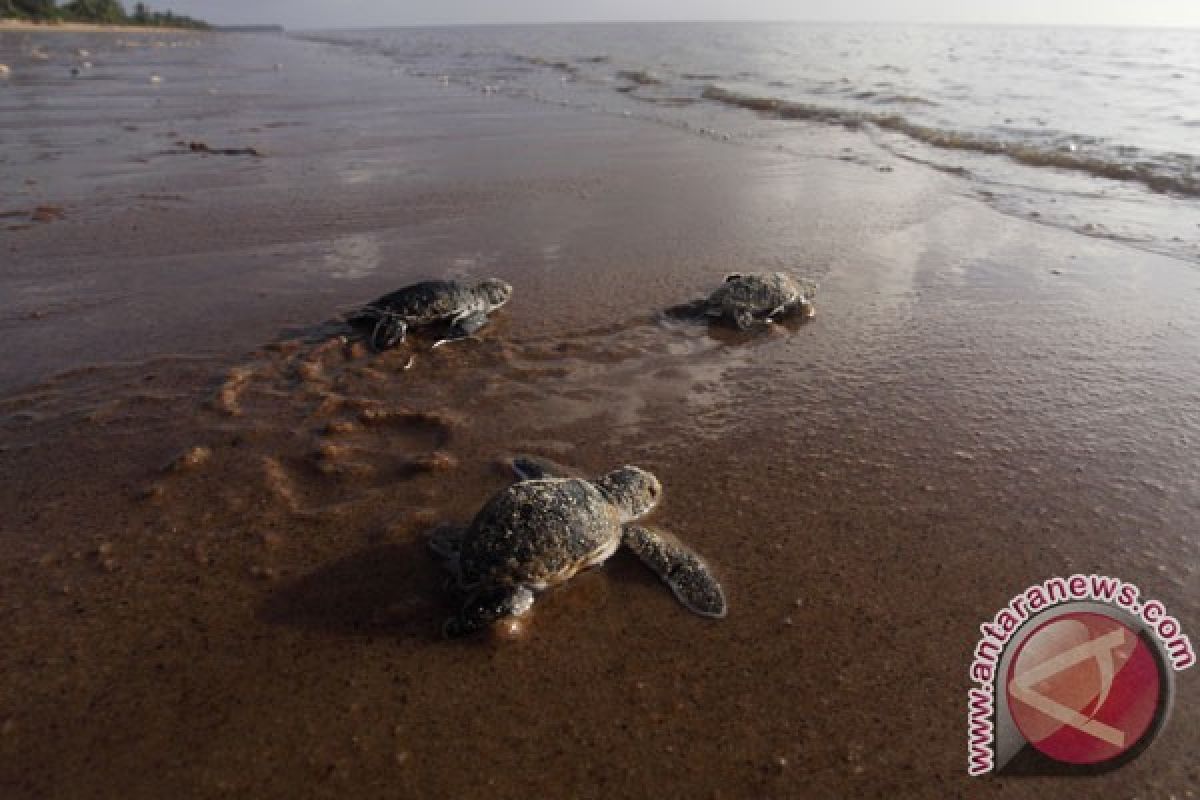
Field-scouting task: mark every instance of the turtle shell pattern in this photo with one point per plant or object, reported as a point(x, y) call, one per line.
point(429, 300)
point(538, 533)
point(757, 293)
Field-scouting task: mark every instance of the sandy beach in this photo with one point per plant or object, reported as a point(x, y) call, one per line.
point(213, 575)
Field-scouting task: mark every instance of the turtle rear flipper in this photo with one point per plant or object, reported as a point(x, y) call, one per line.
point(744, 319)
point(445, 541)
point(387, 327)
point(389, 331)
point(537, 468)
point(681, 569)
point(483, 608)
point(696, 308)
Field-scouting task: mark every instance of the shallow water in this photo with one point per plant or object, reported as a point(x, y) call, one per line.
point(1086, 128)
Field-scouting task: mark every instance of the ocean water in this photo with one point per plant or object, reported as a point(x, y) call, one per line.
point(1093, 129)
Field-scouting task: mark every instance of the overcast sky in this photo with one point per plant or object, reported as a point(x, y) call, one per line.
point(379, 13)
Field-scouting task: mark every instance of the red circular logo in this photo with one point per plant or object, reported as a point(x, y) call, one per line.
point(1083, 688)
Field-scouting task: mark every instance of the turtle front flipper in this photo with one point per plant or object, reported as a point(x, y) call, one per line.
point(470, 324)
point(463, 327)
point(681, 569)
point(483, 608)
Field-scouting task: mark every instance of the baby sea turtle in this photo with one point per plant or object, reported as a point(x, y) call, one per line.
point(745, 299)
point(463, 306)
point(548, 526)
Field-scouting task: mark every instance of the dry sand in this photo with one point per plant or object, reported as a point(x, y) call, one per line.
point(213, 580)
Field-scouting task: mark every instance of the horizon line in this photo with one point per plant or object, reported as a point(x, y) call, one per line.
point(888, 22)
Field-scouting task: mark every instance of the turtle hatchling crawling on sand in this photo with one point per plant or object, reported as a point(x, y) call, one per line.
point(546, 527)
point(745, 299)
point(463, 306)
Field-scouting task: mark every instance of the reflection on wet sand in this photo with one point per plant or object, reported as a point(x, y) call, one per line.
point(352, 257)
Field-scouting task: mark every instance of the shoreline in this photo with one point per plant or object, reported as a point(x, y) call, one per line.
point(216, 561)
point(28, 26)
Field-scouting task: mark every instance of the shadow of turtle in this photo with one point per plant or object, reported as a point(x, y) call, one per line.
point(724, 330)
point(315, 333)
point(423, 337)
point(389, 589)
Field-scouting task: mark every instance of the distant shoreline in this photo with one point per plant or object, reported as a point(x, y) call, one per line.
point(88, 27)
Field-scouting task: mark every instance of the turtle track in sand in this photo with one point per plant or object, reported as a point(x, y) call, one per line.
point(328, 428)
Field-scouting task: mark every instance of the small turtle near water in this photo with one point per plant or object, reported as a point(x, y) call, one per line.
point(464, 307)
point(748, 298)
point(548, 526)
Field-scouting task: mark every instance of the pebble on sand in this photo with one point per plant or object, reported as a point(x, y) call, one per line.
point(509, 629)
point(152, 492)
point(331, 452)
point(437, 461)
point(423, 516)
point(341, 427)
point(264, 573)
point(47, 213)
point(228, 396)
point(190, 459)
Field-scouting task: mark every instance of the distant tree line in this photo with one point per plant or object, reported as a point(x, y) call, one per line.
point(106, 12)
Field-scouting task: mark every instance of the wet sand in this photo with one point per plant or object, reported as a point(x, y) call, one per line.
point(213, 579)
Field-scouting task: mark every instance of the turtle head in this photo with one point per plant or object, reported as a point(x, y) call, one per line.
point(495, 291)
point(806, 287)
point(632, 490)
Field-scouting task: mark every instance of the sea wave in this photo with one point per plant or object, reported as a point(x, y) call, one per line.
point(641, 77)
point(552, 63)
point(1172, 173)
